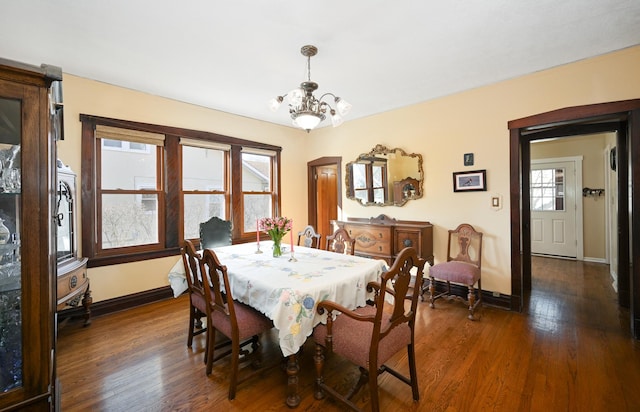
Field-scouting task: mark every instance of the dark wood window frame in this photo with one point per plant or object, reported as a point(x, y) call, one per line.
point(171, 221)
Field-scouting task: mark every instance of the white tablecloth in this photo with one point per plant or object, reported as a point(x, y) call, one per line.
point(287, 292)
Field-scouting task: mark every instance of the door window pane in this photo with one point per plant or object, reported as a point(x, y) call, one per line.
point(547, 190)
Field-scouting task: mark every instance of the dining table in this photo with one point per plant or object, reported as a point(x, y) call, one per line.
point(287, 289)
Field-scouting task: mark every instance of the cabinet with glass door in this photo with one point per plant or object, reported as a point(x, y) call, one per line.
point(27, 263)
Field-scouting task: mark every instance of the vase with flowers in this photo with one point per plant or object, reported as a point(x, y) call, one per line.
point(276, 228)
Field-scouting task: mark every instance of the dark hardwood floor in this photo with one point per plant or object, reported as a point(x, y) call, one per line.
point(570, 351)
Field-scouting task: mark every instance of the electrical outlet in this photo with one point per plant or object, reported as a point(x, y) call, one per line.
point(496, 294)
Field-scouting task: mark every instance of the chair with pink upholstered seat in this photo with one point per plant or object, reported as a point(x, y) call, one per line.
point(370, 336)
point(463, 266)
point(239, 322)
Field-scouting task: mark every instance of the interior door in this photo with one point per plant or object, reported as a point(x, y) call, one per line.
point(326, 198)
point(553, 208)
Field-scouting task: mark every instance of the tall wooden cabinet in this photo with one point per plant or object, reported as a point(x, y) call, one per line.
point(27, 261)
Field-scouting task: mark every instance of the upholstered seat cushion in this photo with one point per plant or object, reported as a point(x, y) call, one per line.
point(352, 338)
point(198, 302)
point(250, 321)
point(457, 272)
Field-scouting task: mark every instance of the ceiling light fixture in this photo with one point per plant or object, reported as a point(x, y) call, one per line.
point(307, 111)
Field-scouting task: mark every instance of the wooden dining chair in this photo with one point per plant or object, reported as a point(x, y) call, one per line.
point(195, 289)
point(310, 237)
point(463, 266)
point(239, 322)
point(215, 232)
point(341, 242)
point(370, 336)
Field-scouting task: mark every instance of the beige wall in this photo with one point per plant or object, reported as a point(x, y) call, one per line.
point(442, 130)
point(591, 148)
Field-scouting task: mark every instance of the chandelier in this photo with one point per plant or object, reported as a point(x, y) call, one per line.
point(307, 111)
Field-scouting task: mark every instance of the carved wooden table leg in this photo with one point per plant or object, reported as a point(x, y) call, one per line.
point(86, 302)
point(293, 398)
point(319, 361)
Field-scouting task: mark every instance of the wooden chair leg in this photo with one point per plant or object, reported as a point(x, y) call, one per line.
point(471, 296)
point(209, 349)
point(432, 291)
point(413, 372)
point(235, 360)
point(373, 389)
point(319, 361)
point(192, 320)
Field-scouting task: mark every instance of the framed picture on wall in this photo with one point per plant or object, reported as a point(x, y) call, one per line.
point(470, 181)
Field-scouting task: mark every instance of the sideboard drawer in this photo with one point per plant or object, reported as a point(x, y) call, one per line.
point(374, 240)
point(407, 238)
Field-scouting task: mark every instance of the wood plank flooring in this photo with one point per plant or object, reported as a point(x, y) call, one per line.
point(570, 351)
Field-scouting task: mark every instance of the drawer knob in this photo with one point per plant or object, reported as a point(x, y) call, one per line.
point(74, 281)
point(380, 248)
point(407, 243)
point(380, 234)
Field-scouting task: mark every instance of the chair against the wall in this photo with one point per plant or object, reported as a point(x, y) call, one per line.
point(215, 232)
point(463, 266)
point(341, 242)
point(309, 238)
point(370, 336)
point(239, 322)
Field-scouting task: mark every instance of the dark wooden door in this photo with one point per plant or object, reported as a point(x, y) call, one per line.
point(324, 194)
point(326, 198)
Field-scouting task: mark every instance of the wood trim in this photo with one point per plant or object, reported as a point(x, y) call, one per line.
point(120, 303)
point(176, 131)
point(618, 116)
point(312, 187)
point(573, 114)
point(461, 291)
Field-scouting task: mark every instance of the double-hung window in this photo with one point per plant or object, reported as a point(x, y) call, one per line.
point(146, 188)
point(205, 188)
point(129, 189)
point(258, 193)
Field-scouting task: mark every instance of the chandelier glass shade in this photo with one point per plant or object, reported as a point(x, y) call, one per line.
point(305, 109)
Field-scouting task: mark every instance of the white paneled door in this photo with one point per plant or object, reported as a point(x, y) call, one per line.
point(553, 207)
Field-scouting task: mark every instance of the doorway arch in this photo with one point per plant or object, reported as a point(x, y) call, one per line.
point(622, 117)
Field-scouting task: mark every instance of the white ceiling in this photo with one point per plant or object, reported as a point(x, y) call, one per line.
point(235, 55)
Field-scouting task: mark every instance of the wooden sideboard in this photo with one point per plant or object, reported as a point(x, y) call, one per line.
point(384, 237)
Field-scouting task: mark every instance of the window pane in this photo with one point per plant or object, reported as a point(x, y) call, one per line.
point(128, 170)
point(378, 195)
point(127, 222)
point(359, 177)
point(256, 174)
point(362, 195)
point(256, 207)
point(200, 208)
point(202, 169)
point(377, 177)
point(547, 189)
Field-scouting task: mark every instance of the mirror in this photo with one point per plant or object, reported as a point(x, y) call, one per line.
point(385, 177)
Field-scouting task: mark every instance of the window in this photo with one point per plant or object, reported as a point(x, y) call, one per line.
point(547, 190)
point(258, 195)
point(204, 184)
point(370, 181)
point(128, 197)
point(147, 187)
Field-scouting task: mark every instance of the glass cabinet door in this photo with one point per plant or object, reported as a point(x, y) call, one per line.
point(11, 338)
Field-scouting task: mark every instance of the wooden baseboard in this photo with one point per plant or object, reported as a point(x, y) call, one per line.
point(488, 298)
point(120, 303)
